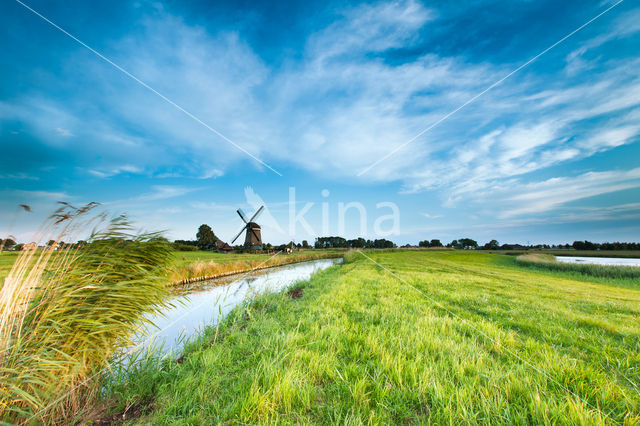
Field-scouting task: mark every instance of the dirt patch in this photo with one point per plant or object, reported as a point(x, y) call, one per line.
point(295, 293)
point(102, 413)
point(131, 412)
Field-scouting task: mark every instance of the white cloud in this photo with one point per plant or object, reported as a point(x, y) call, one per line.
point(537, 197)
point(430, 216)
point(212, 174)
point(163, 192)
point(18, 176)
point(127, 168)
point(212, 205)
point(371, 28)
point(30, 196)
point(64, 132)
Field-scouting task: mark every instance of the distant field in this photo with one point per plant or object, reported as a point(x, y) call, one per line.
point(571, 252)
point(7, 258)
point(482, 341)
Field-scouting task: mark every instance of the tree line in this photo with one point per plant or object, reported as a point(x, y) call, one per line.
point(206, 239)
point(339, 242)
point(588, 245)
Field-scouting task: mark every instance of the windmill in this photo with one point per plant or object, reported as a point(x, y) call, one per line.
point(252, 237)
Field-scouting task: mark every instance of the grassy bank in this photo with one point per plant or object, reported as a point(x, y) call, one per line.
point(196, 266)
point(356, 345)
point(548, 262)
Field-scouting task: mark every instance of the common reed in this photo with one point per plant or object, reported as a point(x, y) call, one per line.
point(548, 262)
point(198, 271)
point(65, 312)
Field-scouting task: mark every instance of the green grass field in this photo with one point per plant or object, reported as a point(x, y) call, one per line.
point(7, 258)
point(488, 342)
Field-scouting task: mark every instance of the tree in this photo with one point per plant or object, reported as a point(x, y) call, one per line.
point(492, 245)
point(206, 238)
point(424, 243)
point(357, 243)
point(584, 245)
point(382, 243)
point(305, 244)
point(435, 243)
point(468, 243)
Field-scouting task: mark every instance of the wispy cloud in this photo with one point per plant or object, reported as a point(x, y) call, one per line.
point(127, 168)
point(64, 132)
point(163, 192)
point(543, 196)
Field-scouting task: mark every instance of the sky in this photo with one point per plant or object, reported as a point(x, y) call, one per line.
point(405, 120)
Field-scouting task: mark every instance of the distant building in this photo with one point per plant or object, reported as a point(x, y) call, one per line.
point(223, 247)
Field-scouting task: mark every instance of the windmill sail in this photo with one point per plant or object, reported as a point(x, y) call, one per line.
point(252, 239)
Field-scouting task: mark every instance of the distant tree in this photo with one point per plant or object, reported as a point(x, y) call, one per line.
point(305, 244)
point(492, 245)
point(18, 246)
point(468, 243)
point(382, 243)
point(330, 242)
point(435, 243)
point(206, 238)
point(357, 243)
point(455, 244)
point(424, 243)
point(584, 245)
point(339, 242)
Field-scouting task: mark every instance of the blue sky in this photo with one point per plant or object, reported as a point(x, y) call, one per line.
point(320, 91)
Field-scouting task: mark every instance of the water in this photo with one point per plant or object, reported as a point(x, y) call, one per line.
point(616, 261)
point(207, 302)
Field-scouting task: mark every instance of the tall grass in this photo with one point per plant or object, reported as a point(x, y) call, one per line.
point(198, 271)
point(549, 263)
point(63, 316)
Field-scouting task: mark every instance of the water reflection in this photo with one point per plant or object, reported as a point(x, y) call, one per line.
point(613, 261)
point(206, 303)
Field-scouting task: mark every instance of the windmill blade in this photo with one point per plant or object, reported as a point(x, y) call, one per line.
point(242, 216)
point(257, 213)
point(239, 233)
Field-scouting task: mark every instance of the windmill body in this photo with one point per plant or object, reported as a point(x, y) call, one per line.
point(253, 238)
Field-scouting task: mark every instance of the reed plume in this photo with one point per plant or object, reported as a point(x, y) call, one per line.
point(66, 310)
